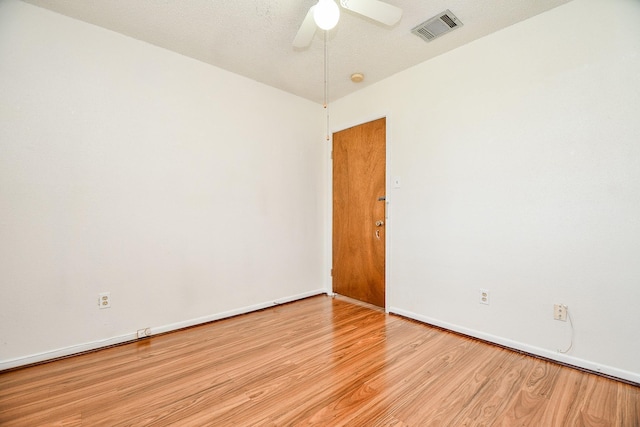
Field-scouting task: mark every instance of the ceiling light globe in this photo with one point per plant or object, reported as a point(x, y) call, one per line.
point(326, 14)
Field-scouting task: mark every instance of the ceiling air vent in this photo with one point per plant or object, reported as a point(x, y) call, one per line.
point(440, 24)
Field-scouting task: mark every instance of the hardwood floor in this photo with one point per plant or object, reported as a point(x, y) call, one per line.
point(319, 361)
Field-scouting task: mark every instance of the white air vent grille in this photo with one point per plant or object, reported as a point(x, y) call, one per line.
point(440, 24)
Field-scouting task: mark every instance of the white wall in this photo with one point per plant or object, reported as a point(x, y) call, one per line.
point(186, 191)
point(191, 193)
point(519, 157)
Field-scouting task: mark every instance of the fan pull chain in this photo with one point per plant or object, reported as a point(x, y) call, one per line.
point(325, 104)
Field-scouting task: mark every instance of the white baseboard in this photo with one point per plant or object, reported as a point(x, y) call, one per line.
point(96, 345)
point(537, 351)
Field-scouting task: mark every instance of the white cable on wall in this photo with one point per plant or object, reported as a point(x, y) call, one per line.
point(566, 308)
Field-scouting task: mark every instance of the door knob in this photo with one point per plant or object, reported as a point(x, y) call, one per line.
point(379, 223)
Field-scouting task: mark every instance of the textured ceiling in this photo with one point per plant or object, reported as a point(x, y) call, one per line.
point(254, 38)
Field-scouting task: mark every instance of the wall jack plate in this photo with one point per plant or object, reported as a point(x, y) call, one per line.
point(143, 333)
point(560, 312)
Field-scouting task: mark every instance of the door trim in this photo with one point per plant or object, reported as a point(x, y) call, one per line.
point(389, 204)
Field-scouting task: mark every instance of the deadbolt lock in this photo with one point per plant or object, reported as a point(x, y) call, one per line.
point(379, 223)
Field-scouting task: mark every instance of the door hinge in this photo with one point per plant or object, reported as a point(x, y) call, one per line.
point(332, 272)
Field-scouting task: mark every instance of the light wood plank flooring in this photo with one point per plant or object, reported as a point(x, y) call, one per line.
point(319, 361)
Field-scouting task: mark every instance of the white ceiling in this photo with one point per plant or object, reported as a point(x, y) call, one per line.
point(254, 38)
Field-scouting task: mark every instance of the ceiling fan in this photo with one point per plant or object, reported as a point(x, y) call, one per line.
point(325, 15)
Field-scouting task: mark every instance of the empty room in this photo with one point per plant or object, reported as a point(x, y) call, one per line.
point(400, 213)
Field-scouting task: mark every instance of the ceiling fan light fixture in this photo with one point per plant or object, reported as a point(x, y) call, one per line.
point(326, 14)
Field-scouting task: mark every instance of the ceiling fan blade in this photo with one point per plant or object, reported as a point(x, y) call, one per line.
point(306, 31)
point(374, 9)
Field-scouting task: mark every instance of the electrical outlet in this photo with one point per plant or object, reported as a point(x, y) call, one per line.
point(104, 300)
point(560, 312)
point(484, 296)
point(143, 333)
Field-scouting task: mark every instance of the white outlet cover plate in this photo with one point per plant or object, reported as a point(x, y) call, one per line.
point(104, 300)
point(484, 296)
point(560, 312)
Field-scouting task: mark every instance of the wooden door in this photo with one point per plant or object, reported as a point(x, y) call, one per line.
point(359, 162)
